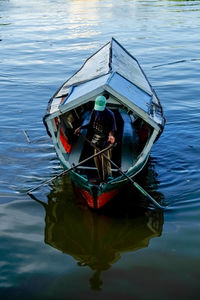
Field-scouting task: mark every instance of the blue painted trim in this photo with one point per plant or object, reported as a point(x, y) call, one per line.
point(71, 88)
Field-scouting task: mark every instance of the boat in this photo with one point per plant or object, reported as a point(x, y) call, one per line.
point(112, 71)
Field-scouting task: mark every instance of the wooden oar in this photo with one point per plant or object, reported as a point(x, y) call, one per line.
point(70, 169)
point(149, 197)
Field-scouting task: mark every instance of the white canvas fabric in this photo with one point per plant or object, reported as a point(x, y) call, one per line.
point(95, 66)
point(127, 66)
point(111, 57)
point(112, 67)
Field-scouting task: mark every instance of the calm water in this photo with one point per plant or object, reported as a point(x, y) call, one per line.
point(58, 248)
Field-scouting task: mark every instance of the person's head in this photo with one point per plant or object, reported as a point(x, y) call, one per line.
point(100, 103)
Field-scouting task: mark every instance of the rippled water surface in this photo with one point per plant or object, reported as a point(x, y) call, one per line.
point(53, 246)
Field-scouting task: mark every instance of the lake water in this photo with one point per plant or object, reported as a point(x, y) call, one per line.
point(58, 248)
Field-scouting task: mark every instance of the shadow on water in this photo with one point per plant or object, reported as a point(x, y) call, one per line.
point(97, 239)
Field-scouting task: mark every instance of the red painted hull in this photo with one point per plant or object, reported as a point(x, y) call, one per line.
point(98, 201)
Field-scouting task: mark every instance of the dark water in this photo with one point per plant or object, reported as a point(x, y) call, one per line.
point(58, 248)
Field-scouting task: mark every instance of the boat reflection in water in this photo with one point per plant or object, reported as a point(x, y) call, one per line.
point(97, 239)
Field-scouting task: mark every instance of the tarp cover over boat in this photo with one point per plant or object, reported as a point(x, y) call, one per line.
point(113, 69)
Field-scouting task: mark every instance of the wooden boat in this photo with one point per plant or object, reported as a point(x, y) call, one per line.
point(138, 113)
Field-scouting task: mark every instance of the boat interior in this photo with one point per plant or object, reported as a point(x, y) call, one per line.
point(131, 136)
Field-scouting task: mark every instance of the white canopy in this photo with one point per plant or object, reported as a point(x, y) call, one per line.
point(110, 58)
point(115, 70)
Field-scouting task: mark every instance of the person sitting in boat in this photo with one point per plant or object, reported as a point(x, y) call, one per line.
point(103, 125)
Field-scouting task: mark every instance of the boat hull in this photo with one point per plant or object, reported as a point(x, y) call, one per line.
point(97, 196)
point(95, 201)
